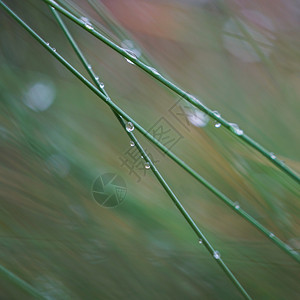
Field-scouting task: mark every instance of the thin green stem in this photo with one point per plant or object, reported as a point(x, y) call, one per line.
point(21, 283)
point(153, 72)
point(181, 163)
point(157, 174)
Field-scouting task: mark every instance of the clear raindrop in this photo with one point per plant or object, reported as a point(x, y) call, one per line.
point(87, 23)
point(154, 71)
point(271, 235)
point(131, 49)
point(217, 255)
point(129, 127)
point(236, 129)
point(218, 125)
point(102, 85)
point(272, 155)
point(200, 241)
point(217, 114)
point(132, 56)
point(147, 165)
point(132, 144)
point(236, 205)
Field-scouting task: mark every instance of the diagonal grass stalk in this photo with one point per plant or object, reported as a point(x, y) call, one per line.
point(194, 101)
point(21, 283)
point(119, 112)
point(148, 161)
point(121, 33)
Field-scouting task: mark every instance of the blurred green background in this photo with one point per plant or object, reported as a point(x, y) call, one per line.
point(57, 137)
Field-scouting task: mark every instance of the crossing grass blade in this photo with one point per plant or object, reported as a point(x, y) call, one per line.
point(119, 112)
point(190, 98)
point(151, 165)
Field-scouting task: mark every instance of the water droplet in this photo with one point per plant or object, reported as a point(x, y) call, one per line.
point(154, 71)
point(87, 23)
point(102, 85)
point(142, 156)
point(132, 144)
point(200, 241)
point(272, 155)
point(54, 49)
point(89, 67)
point(217, 114)
point(89, 26)
point(195, 99)
point(97, 78)
point(236, 129)
point(132, 56)
point(129, 61)
point(236, 205)
point(147, 165)
point(271, 235)
point(47, 44)
point(217, 255)
point(129, 127)
point(131, 50)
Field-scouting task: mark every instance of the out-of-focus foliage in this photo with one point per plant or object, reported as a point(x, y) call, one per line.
point(57, 137)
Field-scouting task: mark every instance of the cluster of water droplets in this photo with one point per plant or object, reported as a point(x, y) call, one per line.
point(129, 128)
point(48, 44)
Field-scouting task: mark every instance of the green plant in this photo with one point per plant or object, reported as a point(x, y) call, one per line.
point(121, 115)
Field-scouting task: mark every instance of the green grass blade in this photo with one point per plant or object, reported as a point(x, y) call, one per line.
point(20, 282)
point(120, 112)
point(157, 174)
point(153, 72)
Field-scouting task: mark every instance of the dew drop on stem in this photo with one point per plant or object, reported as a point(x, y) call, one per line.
point(217, 255)
point(129, 127)
point(236, 129)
